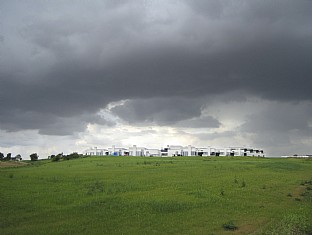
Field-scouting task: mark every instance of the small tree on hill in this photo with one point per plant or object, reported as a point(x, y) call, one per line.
point(51, 156)
point(34, 157)
point(71, 156)
point(8, 157)
point(1, 156)
point(56, 158)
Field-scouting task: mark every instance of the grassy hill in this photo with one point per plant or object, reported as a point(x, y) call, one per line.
point(137, 195)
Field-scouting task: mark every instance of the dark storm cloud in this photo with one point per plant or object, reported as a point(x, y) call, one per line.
point(158, 110)
point(200, 122)
point(216, 135)
point(281, 118)
point(61, 61)
point(47, 123)
point(280, 127)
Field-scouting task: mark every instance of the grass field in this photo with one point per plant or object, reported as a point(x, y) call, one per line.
point(137, 195)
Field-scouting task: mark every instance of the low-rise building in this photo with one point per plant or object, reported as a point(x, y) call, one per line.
point(175, 150)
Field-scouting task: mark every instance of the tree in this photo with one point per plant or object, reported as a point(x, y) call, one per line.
point(51, 156)
point(34, 157)
point(71, 156)
point(56, 158)
point(1, 156)
point(8, 157)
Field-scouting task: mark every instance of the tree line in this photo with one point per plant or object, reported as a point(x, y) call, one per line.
point(8, 157)
point(62, 156)
point(35, 157)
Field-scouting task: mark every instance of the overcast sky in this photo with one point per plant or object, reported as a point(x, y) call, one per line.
point(78, 74)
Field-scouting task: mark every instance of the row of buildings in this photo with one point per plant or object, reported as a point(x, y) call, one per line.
point(174, 150)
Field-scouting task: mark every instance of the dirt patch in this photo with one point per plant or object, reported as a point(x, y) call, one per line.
point(250, 228)
point(12, 164)
point(298, 191)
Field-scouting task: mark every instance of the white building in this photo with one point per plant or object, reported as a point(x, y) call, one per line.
point(137, 151)
point(118, 151)
point(96, 152)
point(152, 152)
point(175, 150)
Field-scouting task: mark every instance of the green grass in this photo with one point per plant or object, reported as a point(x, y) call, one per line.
point(137, 195)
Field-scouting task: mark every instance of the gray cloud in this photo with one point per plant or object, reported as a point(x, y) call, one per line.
point(200, 122)
point(281, 117)
point(160, 111)
point(47, 123)
point(167, 59)
point(283, 128)
point(216, 135)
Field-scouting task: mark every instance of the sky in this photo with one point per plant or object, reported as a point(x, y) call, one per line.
point(80, 74)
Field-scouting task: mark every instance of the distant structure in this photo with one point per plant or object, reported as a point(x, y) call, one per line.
point(174, 150)
point(298, 156)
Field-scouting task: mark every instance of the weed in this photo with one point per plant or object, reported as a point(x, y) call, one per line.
point(235, 180)
point(243, 184)
point(222, 192)
point(229, 226)
point(289, 195)
point(304, 194)
point(11, 176)
point(306, 182)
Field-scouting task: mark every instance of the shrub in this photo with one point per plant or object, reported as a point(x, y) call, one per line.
point(229, 226)
point(8, 157)
point(1, 156)
point(34, 157)
point(56, 158)
point(72, 156)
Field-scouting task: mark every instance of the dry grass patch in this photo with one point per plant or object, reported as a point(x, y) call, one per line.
point(12, 164)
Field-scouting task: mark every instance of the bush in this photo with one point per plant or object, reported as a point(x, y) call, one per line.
point(1, 156)
point(56, 158)
point(71, 156)
point(34, 157)
point(8, 157)
point(229, 226)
